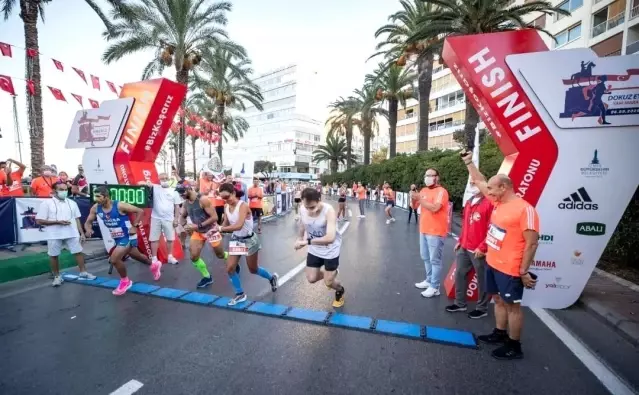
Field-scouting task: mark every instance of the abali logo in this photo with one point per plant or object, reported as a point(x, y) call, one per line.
point(579, 200)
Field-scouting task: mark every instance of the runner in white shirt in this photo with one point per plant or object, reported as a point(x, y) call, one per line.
point(164, 217)
point(61, 218)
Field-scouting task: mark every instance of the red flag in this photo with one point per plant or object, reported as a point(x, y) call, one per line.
point(112, 87)
point(5, 49)
point(78, 98)
point(32, 53)
point(81, 74)
point(57, 93)
point(31, 87)
point(58, 65)
point(96, 82)
point(94, 103)
point(6, 84)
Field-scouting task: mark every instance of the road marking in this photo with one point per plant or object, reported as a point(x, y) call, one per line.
point(128, 388)
point(350, 213)
point(605, 375)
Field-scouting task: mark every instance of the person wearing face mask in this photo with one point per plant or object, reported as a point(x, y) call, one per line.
point(164, 218)
point(471, 252)
point(433, 229)
point(61, 218)
point(414, 202)
point(42, 186)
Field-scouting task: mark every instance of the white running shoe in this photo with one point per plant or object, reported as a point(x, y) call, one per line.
point(57, 281)
point(86, 276)
point(387, 221)
point(423, 285)
point(172, 260)
point(430, 292)
point(393, 219)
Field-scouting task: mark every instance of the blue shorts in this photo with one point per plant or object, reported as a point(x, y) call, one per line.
point(126, 242)
point(390, 203)
point(509, 288)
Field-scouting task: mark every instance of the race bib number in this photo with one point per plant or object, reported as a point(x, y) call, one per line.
point(213, 236)
point(117, 233)
point(237, 248)
point(495, 237)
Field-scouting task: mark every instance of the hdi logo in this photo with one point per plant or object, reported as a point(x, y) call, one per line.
point(591, 229)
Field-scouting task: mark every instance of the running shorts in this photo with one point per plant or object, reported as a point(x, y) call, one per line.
point(257, 212)
point(297, 200)
point(341, 200)
point(126, 242)
point(510, 288)
point(252, 243)
point(220, 212)
point(330, 265)
point(390, 203)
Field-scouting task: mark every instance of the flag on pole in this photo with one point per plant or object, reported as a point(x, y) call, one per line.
point(58, 65)
point(6, 84)
point(81, 74)
point(78, 98)
point(57, 93)
point(5, 49)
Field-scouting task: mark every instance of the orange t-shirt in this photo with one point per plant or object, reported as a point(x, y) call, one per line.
point(434, 223)
point(209, 188)
point(15, 190)
point(389, 193)
point(505, 237)
point(361, 193)
point(42, 186)
point(414, 200)
point(255, 195)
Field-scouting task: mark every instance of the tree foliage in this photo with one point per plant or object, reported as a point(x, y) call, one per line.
point(265, 167)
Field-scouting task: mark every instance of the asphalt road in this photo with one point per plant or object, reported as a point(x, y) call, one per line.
point(82, 340)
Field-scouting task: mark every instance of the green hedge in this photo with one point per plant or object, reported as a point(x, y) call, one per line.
point(404, 170)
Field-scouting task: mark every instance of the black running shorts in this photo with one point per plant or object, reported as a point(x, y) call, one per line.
point(330, 265)
point(510, 288)
point(341, 200)
point(257, 212)
point(220, 212)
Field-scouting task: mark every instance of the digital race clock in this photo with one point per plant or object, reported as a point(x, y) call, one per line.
point(136, 195)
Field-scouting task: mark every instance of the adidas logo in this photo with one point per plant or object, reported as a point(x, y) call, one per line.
point(579, 200)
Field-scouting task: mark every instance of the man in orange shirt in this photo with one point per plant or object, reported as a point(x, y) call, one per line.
point(361, 198)
point(433, 229)
point(42, 186)
point(208, 187)
point(11, 181)
point(512, 242)
point(255, 196)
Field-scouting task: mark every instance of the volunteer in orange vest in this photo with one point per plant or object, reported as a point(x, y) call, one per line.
point(471, 252)
point(433, 229)
point(512, 241)
point(414, 203)
point(255, 196)
point(11, 181)
point(42, 186)
point(361, 198)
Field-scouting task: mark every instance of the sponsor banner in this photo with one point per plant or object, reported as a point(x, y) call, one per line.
point(566, 123)
point(401, 199)
point(269, 205)
point(99, 127)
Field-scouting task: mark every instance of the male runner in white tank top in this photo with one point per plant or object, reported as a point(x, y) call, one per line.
point(318, 231)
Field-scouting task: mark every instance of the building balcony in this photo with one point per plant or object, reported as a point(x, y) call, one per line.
point(634, 12)
point(609, 24)
point(632, 48)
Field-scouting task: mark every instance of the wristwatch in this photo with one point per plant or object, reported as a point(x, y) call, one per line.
point(309, 241)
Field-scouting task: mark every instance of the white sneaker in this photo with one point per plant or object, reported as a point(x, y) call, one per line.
point(84, 276)
point(430, 292)
point(172, 260)
point(57, 281)
point(393, 219)
point(423, 285)
point(387, 221)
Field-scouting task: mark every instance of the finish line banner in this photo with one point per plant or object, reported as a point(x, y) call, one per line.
point(566, 122)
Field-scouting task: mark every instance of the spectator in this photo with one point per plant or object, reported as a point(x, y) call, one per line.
point(242, 187)
point(81, 181)
point(11, 181)
point(42, 186)
point(64, 177)
point(76, 192)
point(61, 217)
point(164, 217)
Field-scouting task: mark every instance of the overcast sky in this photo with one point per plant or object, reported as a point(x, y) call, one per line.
point(335, 36)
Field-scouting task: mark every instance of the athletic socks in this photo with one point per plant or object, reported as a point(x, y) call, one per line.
point(235, 281)
point(201, 267)
point(264, 273)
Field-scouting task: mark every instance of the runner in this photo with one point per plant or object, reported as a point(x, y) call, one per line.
point(255, 195)
point(243, 242)
point(202, 227)
point(512, 241)
point(389, 196)
point(115, 216)
point(297, 200)
point(318, 231)
point(414, 203)
point(341, 203)
point(368, 196)
point(361, 197)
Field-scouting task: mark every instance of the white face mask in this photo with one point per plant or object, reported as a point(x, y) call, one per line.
point(474, 190)
point(429, 181)
point(46, 173)
point(164, 184)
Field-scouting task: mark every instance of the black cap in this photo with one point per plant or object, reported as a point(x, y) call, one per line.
point(181, 188)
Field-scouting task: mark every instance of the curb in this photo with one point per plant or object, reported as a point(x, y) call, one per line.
point(627, 329)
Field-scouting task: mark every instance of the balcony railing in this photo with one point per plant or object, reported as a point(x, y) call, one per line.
point(451, 103)
point(445, 125)
point(609, 24)
point(632, 48)
point(634, 12)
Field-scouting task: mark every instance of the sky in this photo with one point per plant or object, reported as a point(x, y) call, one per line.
point(334, 36)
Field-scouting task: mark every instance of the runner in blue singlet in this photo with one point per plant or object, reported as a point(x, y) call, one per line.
point(115, 216)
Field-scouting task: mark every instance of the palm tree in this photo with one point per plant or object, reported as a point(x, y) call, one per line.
point(334, 152)
point(394, 84)
point(367, 113)
point(30, 10)
point(464, 17)
point(180, 32)
point(342, 121)
point(398, 43)
point(224, 78)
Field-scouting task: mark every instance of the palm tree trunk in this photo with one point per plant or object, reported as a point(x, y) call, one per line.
point(193, 139)
point(182, 77)
point(29, 13)
point(470, 124)
point(393, 104)
point(367, 143)
point(424, 84)
point(349, 144)
point(220, 114)
point(334, 166)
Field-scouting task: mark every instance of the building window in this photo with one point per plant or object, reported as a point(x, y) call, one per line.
point(410, 113)
point(540, 22)
point(568, 35)
point(570, 6)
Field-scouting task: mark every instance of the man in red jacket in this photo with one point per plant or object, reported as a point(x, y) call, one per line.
point(471, 252)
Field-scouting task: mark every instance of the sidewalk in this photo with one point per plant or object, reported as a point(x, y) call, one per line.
point(33, 260)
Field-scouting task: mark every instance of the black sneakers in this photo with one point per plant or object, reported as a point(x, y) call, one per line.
point(498, 336)
point(454, 308)
point(476, 314)
point(509, 351)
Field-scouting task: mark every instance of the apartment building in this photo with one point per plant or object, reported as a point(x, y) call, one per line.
point(609, 27)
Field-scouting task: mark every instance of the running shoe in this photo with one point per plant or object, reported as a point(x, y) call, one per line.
point(392, 219)
point(476, 314)
point(387, 221)
point(122, 287)
point(423, 285)
point(57, 281)
point(274, 281)
point(86, 276)
point(430, 292)
point(172, 260)
point(339, 298)
point(237, 299)
point(454, 308)
point(496, 337)
point(205, 282)
point(509, 351)
point(156, 269)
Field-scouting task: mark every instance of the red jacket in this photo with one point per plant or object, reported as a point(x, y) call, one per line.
point(475, 224)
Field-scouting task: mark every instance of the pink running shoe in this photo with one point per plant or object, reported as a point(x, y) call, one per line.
point(122, 287)
point(156, 269)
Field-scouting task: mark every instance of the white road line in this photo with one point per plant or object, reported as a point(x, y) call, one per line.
point(350, 213)
point(608, 378)
point(128, 388)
